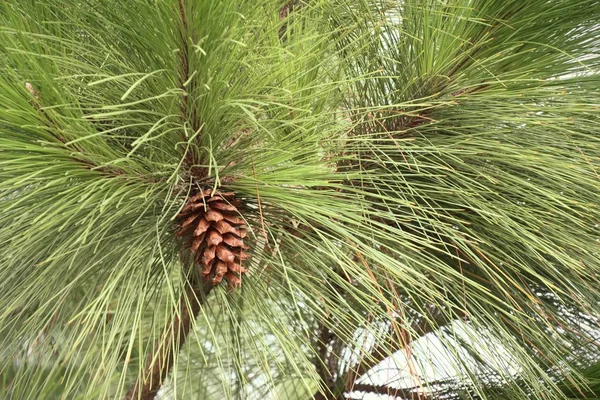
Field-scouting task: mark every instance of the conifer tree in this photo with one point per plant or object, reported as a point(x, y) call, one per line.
point(275, 199)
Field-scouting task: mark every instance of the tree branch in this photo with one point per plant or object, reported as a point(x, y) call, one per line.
point(388, 347)
point(379, 353)
point(160, 361)
point(387, 390)
point(285, 11)
point(188, 113)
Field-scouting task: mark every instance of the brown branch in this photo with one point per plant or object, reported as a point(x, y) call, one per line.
point(345, 382)
point(47, 118)
point(387, 390)
point(160, 361)
point(288, 8)
point(184, 56)
point(283, 14)
point(326, 363)
point(321, 362)
point(390, 346)
point(50, 120)
point(187, 113)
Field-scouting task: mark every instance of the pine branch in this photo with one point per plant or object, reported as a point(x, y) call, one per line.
point(50, 120)
point(326, 363)
point(283, 14)
point(160, 361)
point(380, 353)
point(386, 390)
point(187, 114)
point(285, 11)
point(383, 350)
point(184, 56)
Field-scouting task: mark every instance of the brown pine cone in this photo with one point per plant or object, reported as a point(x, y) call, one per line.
point(215, 232)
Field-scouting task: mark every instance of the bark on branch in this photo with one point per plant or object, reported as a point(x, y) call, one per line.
point(160, 361)
point(387, 390)
point(345, 383)
point(392, 345)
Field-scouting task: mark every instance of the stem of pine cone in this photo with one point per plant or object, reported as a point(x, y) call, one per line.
point(160, 361)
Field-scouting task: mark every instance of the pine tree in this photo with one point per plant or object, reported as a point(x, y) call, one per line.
point(268, 199)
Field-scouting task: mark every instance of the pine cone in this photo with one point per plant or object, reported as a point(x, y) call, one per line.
point(215, 233)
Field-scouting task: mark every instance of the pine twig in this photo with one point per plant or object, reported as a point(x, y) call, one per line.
point(388, 391)
point(160, 361)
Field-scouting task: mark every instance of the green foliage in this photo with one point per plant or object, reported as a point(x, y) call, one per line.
point(407, 168)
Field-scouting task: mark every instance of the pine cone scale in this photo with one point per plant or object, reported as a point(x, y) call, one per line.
point(202, 227)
